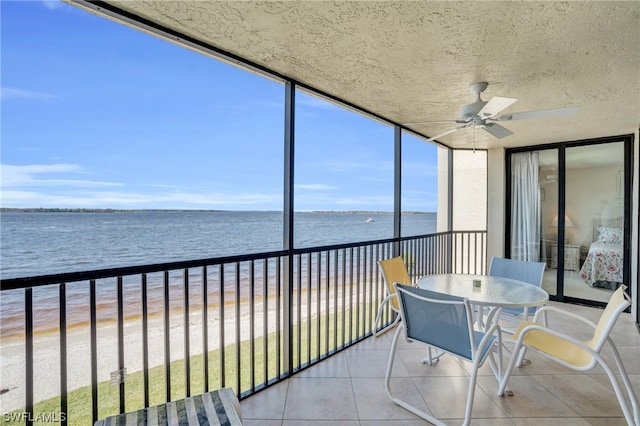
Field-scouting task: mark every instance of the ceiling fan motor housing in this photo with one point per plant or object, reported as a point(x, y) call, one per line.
point(471, 110)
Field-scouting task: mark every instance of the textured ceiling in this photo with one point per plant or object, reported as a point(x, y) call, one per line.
point(414, 61)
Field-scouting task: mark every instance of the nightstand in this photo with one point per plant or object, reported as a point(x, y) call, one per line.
point(571, 257)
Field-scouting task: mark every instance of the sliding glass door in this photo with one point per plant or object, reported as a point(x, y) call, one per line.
point(567, 208)
point(594, 221)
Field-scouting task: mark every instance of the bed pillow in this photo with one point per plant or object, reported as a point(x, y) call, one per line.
point(610, 235)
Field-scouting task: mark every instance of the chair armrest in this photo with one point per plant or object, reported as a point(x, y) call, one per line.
point(494, 329)
point(388, 298)
point(544, 309)
point(555, 333)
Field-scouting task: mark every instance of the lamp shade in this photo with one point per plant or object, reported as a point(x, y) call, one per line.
point(567, 222)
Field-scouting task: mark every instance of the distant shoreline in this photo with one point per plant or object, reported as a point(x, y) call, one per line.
point(90, 210)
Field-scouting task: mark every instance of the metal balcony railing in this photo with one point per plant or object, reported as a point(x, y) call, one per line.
point(133, 337)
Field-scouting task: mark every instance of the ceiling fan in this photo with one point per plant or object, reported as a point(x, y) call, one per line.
point(483, 114)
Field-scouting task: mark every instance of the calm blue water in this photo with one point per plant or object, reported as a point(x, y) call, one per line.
point(48, 243)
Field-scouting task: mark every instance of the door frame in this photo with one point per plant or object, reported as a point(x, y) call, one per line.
point(561, 147)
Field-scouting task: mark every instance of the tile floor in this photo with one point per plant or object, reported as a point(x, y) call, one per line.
point(348, 388)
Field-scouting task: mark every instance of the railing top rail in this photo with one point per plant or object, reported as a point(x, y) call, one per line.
point(69, 277)
point(34, 281)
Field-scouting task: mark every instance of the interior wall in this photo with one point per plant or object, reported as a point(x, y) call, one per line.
point(442, 218)
point(495, 202)
point(469, 190)
point(591, 194)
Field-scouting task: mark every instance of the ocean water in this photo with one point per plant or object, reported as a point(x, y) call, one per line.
point(41, 243)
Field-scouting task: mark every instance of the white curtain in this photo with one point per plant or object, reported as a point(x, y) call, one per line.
point(525, 207)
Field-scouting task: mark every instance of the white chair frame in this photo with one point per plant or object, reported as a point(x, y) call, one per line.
point(618, 303)
point(478, 353)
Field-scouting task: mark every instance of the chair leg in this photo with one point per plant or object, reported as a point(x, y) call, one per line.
point(471, 394)
point(507, 372)
point(377, 332)
point(627, 385)
point(432, 358)
point(387, 386)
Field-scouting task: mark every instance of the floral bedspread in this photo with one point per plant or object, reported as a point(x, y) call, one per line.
point(603, 265)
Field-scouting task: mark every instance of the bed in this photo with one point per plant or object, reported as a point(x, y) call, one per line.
point(603, 266)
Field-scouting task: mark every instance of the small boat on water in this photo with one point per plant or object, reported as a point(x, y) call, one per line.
point(370, 220)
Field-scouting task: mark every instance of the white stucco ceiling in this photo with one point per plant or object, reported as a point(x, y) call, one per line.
point(414, 61)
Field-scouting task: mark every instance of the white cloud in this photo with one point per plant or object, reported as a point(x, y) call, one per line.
point(315, 186)
point(13, 93)
point(345, 166)
point(30, 176)
point(52, 4)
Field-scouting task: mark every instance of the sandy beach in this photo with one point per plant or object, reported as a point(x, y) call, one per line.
point(47, 348)
point(47, 352)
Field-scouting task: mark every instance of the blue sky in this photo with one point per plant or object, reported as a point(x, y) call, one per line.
point(98, 115)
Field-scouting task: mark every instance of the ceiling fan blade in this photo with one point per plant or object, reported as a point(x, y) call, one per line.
point(543, 113)
point(495, 106)
point(497, 130)
point(433, 122)
point(455, 129)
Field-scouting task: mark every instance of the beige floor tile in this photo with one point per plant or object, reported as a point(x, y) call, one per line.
point(603, 421)
point(564, 421)
point(320, 399)
point(583, 394)
point(529, 399)
point(334, 366)
point(371, 363)
point(446, 366)
point(446, 398)
point(261, 422)
point(374, 404)
point(321, 423)
point(268, 404)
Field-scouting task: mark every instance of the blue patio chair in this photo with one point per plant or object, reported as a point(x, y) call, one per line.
point(528, 272)
point(446, 323)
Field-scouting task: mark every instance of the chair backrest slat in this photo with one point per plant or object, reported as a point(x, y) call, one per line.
point(529, 272)
point(618, 302)
point(438, 320)
point(394, 271)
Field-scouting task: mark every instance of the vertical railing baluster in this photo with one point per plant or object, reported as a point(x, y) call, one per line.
point(299, 312)
point(94, 351)
point(318, 302)
point(265, 320)
point(121, 342)
point(358, 260)
point(187, 348)
point(309, 274)
point(335, 299)
point(344, 297)
point(145, 339)
point(327, 275)
point(350, 325)
point(63, 353)
point(167, 339)
point(205, 329)
point(238, 324)
point(252, 326)
point(28, 323)
point(278, 322)
point(223, 358)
